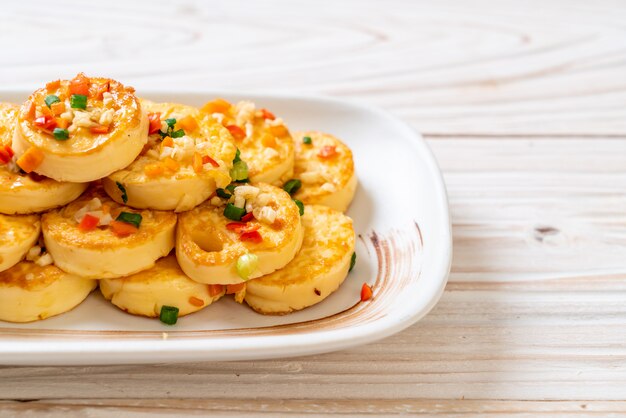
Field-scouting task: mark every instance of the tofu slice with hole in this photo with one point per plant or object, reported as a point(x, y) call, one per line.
point(101, 136)
point(29, 292)
point(208, 250)
point(18, 233)
point(20, 192)
point(165, 284)
point(166, 176)
point(326, 169)
point(100, 253)
point(317, 270)
point(263, 139)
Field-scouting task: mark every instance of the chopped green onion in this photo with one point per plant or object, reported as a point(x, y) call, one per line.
point(222, 193)
point(60, 134)
point(292, 186)
point(123, 190)
point(170, 129)
point(231, 188)
point(239, 172)
point(169, 314)
point(129, 218)
point(234, 213)
point(51, 99)
point(78, 101)
point(352, 262)
point(300, 206)
point(307, 140)
point(237, 156)
point(178, 134)
point(247, 264)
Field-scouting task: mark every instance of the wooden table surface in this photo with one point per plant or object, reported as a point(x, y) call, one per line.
point(524, 106)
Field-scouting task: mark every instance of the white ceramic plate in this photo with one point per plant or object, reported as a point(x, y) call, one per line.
point(404, 250)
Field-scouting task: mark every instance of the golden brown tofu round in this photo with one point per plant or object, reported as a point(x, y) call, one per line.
point(182, 164)
point(80, 130)
point(111, 249)
point(21, 192)
point(316, 271)
point(208, 245)
point(18, 233)
point(326, 169)
point(29, 292)
point(165, 284)
point(263, 139)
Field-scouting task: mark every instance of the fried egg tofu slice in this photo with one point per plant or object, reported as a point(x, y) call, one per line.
point(17, 235)
point(144, 293)
point(326, 169)
point(29, 292)
point(96, 127)
point(23, 193)
point(263, 139)
point(101, 252)
point(176, 173)
point(317, 270)
point(208, 247)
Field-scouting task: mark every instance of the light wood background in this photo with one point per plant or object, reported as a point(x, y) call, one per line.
point(524, 105)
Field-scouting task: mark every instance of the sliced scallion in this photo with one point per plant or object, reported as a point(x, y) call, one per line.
point(78, 101)
point(178, 134)
point(247, 264)
point(307, 140)
point(352, 262)
point(222, 193)
point(123, 190)
point(129, 218)
point(51, 99)
point(239, 172)
point(300, 206)
point(234, 213)
point(168, 315)
point(292, 186)
point(60, 134)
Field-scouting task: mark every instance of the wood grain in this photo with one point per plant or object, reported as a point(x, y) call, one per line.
point(523, 106)
point(474, 67)
point(268, 408)
point(525, 210)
